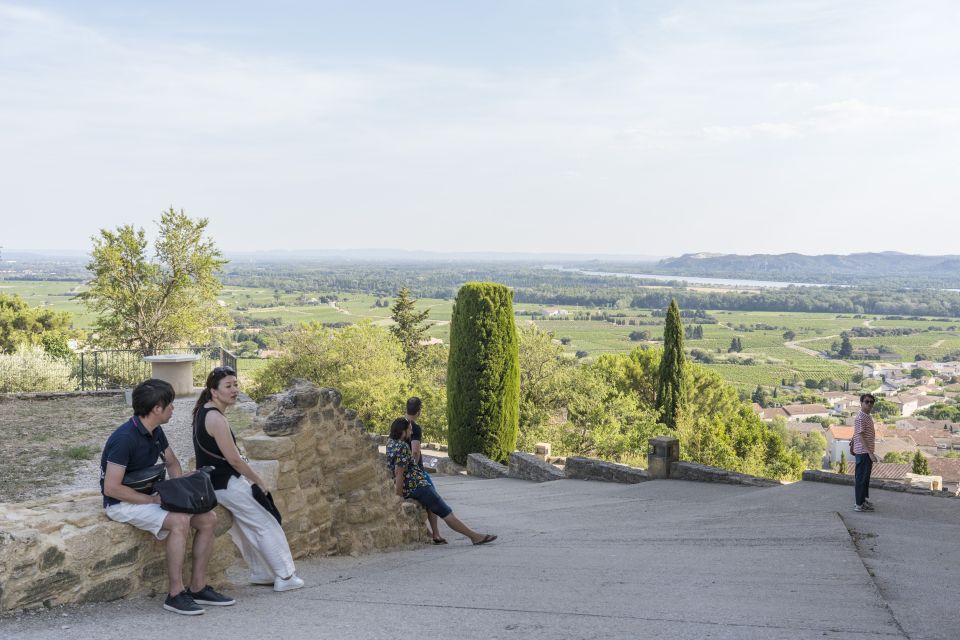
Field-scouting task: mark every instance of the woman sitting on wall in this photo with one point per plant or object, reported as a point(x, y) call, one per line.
point(410, 483)
point(255, 530)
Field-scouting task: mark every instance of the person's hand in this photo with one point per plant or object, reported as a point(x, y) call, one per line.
point(873, 457)
point(156, 499)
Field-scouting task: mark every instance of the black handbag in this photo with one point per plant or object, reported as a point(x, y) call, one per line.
point(143, 480)
point(192, 493)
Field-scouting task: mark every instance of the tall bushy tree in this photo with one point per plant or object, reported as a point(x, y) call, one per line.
point(145, 303)
point(21, 324)
point(920, 464)
point(671, 396)
point(408, 327)
point(483, 375)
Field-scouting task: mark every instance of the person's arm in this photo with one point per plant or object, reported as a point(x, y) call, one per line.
point(415, 447)
point(113, 487)
point(217, 427)
point(398, 472)
point(174, 470)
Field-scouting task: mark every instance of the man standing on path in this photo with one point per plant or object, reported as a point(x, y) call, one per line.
point(136, 445)
point(862, 445)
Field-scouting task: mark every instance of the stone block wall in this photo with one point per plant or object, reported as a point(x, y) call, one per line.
point(331, 486)
point(63, 550)
point(578, 468)
point(705, 473)
point(527, 466)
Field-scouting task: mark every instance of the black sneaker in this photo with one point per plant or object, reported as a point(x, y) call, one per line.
point(183, 604)
point(208, 596)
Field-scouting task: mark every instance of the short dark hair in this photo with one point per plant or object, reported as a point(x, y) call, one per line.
point(151, 393)
point(414, 405)
point(397, 428)
point(864, 396)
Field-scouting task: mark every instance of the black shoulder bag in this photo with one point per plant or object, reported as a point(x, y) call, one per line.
point(190, 493)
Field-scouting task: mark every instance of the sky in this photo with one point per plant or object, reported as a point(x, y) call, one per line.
point(643, 128)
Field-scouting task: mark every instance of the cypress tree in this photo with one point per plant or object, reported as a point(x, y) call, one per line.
point(671, 392)
point(920, 464)
point(483, 373)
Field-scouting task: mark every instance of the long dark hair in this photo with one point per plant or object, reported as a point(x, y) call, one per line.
point(213, 381)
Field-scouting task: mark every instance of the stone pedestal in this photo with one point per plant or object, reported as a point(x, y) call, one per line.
point(664, 450)
point(175, 368)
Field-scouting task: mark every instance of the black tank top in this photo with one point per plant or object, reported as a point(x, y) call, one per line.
point(223, 471)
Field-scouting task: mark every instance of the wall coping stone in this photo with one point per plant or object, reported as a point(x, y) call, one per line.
point(579, 468)
point(483, 467)
point(527, 466)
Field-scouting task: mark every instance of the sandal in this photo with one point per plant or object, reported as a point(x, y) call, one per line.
point(439, 541)
point(487, 538)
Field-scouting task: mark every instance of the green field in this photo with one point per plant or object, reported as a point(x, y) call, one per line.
point(772, 360)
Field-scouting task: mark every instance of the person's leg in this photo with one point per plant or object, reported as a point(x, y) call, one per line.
point(257, 531)
point(859, 475)
point(204, 523)
point(429, 498)
point(434, 525)
point(178, 524)
point(867, 473)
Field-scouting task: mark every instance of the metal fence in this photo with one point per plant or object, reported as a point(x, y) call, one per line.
point(124, 368)
point(30, 370)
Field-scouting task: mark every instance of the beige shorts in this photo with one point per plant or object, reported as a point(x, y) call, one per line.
point(148, 517)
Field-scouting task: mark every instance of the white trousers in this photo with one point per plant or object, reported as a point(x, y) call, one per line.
point(256, 533)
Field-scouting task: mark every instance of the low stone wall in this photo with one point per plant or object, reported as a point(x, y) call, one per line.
point(527, 466)
point(63, 549)
point(483, 467)
point(333, 490)
point(703, 473)
point(814, 475)
point(578, 468)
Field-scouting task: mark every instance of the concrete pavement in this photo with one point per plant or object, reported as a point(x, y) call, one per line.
point(575, 559)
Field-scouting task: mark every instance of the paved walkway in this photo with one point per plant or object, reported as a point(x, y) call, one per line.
point(577, 559)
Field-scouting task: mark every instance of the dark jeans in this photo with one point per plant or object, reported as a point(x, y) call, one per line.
point(861, 477)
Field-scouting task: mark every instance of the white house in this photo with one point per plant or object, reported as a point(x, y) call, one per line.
point(800, 412)
point(838, 441)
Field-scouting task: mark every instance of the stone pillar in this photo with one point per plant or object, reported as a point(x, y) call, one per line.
point(664, 450)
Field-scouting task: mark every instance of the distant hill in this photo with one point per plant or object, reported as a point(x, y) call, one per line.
point(830, 268)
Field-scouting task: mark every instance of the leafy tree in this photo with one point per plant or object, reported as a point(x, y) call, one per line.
point(637, 336)
point(898, 457)
point(362, 361)
point(920, 464)
point(408, 326)
point(602, 421)
point(846, 347)
point(884, 409)
point(483, 374)
point(21, 324)
point(759, 396)
point(542, 371)
point(148, 304)
point(789, 335)
point(736, 346)
point(671, 392)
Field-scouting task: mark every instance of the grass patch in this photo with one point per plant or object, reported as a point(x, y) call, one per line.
point(80, 452)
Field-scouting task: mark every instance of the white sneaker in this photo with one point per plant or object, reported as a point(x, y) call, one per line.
point(291, 583)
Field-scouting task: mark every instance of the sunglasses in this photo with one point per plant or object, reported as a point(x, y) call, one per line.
point(224, 371)
point(868, 401)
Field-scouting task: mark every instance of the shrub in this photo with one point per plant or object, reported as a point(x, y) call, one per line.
point(31, 369)
point(483, 374)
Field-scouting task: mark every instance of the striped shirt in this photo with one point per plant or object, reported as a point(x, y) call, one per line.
point(863, 433)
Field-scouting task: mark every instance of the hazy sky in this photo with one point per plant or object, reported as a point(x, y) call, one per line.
point(563, 126)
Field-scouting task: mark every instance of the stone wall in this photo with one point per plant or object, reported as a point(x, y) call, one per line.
point(578, 468)
point(704, 473)
point(483, 467)
point(332, 488)
point(814, 475)
point(526, 466)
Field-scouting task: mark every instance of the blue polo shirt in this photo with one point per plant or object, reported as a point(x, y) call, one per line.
point(133, 447)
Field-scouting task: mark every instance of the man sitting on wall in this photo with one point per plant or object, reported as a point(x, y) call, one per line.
point(136, 445)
